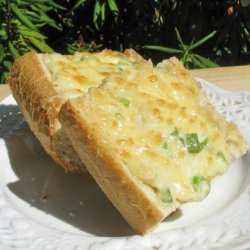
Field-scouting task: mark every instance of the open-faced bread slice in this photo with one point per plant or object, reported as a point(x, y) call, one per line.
point(41, 83)
point(151, 140)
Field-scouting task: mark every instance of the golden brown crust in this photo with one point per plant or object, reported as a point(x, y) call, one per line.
point(140, 211)
point(32, 88)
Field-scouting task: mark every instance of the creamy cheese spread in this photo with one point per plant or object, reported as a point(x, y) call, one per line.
point(158, 123)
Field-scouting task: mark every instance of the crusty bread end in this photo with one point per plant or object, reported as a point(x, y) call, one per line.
point(40, 103)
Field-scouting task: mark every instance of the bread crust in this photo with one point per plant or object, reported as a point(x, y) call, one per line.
point(139, 210)
point(40, 103)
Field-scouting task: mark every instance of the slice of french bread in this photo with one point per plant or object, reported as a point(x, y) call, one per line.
point(41, 83)
point(151, 140)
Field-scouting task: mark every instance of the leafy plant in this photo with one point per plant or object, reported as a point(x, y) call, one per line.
point(185, 52)
point(21, 29)
point(99, 10)
point(233, 27)
point(99, 14)
point(85, 25)
point(80, 45)
point(96, 24)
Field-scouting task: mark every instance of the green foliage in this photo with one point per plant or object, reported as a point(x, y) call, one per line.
point(21, 29)
point(99, 14)
point(123, 24)
point(185, 52)
point(199, 32)
point(81, 46)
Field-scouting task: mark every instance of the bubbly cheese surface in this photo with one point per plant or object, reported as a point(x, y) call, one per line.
point(155, 121)
point(164, 131)
point(74, 75)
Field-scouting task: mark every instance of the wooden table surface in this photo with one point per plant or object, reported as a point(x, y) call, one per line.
point(230, 78)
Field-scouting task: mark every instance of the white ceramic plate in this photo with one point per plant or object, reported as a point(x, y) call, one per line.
point(41, 207)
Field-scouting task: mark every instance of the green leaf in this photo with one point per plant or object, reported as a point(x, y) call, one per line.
point(56, 5)
point(103, 8)
point(78, 3)
point(32, 33)
point(43, 47)
point(163, 49)
point(197, 63)
point(206, 61)
point(54, 25)
point(45, 18)
point(113, 6)
point(97, 11)
point(3, 33)
point(7, 64)
point(34, 1)
point(203, 40)
point(32, 14)
point(4, 76)
point(99, 14)
point(14, 53)
point(44, 7)
point(179, 38)
point(22, 17)
point(1, 52)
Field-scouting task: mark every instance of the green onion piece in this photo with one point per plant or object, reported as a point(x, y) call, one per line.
point(222, 156)
point(193, 144)
point(165, 145)
point(125, 102)
point(175, 132)
point(118, 115)
point(182, 141)
point(201, 185)
point(120, 67)
point(119, 53)
point(166, 195)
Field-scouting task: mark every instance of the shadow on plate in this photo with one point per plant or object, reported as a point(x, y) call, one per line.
point(72, 198)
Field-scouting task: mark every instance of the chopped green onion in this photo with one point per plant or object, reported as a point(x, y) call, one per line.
point(193, 144)
point(222, 156)
point(166, 195)
point(175, 132)
point(182, 141)
point(118, 115)
point(125, 102)
point(119, 53)
point(165, 145)
point(191, 141)
point(201, 185)
point(120, 67)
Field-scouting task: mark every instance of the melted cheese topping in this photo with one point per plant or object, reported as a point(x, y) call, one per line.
point(163, 132)
point(156, 122)
point(74, 75)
